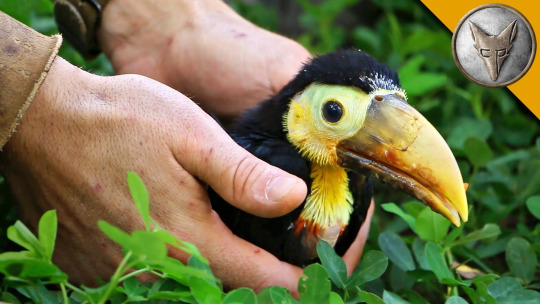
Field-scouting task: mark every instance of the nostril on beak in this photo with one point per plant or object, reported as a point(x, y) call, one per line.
point(378, 98)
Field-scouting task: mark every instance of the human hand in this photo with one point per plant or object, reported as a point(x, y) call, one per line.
point(201, 48)
point(81, 135)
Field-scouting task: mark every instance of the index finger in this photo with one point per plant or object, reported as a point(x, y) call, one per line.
point(354, 253)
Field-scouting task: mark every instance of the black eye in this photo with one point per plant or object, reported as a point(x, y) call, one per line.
point(332, 111)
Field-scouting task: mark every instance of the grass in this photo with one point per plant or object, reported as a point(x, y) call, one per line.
point(412, 254)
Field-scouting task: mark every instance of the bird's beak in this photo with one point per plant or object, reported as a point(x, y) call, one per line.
point(402, 148)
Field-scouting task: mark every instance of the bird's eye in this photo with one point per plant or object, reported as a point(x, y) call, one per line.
point(332, 111)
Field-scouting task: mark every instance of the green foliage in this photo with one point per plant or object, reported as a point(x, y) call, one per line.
point(30, 273)
point(396, 250)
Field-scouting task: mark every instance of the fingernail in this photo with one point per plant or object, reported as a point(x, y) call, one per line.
point(278, 187)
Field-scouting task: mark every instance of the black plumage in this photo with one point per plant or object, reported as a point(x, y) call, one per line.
point(260, 131)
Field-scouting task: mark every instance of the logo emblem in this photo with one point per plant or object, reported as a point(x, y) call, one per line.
point(494, 45)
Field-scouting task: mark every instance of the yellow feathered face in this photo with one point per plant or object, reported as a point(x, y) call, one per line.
point(322, 116)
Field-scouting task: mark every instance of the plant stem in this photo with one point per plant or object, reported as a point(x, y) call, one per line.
point(453, 290)
point(40, 300)
point(64, 293)
point(134, 273)
point(115, 278)
point(74, 288)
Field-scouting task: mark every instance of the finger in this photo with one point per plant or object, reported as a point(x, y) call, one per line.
point(236, 175)
point(239, 263)
point(284, 60)
point(354, 253)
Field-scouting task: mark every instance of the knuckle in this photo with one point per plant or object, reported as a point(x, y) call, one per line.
point(244, 177)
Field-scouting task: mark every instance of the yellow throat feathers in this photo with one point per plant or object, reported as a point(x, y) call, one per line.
point(330, 202)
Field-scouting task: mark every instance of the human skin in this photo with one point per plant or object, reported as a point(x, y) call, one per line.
point(82, 133)
point(200, 48)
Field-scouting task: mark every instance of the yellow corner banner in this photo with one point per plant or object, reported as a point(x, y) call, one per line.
point(451, 12)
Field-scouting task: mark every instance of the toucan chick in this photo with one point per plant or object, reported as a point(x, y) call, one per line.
point(342, 121)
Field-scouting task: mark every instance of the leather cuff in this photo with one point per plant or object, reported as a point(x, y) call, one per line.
point(25, 58)
point(78, 21)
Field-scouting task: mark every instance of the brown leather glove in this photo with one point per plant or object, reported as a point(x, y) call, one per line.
point(25, 58)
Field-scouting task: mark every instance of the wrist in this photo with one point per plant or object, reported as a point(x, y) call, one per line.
point(40, 118)
point(132, 26)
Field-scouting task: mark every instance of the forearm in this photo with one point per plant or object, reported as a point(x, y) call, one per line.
point(25, 58)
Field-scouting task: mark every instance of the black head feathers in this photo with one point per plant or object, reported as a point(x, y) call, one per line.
point(345, 67)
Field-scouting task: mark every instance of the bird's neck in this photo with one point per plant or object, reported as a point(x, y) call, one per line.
point(329, 205)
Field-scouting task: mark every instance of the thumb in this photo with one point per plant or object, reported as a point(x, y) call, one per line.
point(237, 176)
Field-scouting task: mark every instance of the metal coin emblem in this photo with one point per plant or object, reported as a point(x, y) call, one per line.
point(494, 45)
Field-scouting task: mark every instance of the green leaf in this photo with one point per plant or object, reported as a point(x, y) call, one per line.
point(419, 250)
point(392, 298)
point(423, 82)
point(396, 250)
point(133, 288)
point(521, 259)
point(47, 232)
point(204, 292)
point(431, 226)
point(9, 298)
point(416, 82)
point(114, 233)
point(487, 232)
point(523, 296)
point(187, 247)
point(414, 297)
point(41, 293)
point(335, 298)
point(471, 293)
point(140, 197)
point(32, 270)
point(275, 294)
point(503, 287)
point(467, 127)
point(21, 235)
point(434, 256)
point(241, 295)
point(195, 262)
point(372, 266)
point(411, 68)
point(533, 203)
point(478, 151)
point(170, 295)
point(147, 246)
point(180, 272)
point(399, 279)
point(485, 278)
point(95, 294)
point(455, 300)
point(370, 298)
point(314, 287)
point(454, 282)
point(482, 295)
point(19, 255)
point(393, 208)
point(333, 263)
point(413, 208)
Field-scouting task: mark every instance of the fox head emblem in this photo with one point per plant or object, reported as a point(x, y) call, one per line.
point(493, 49)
